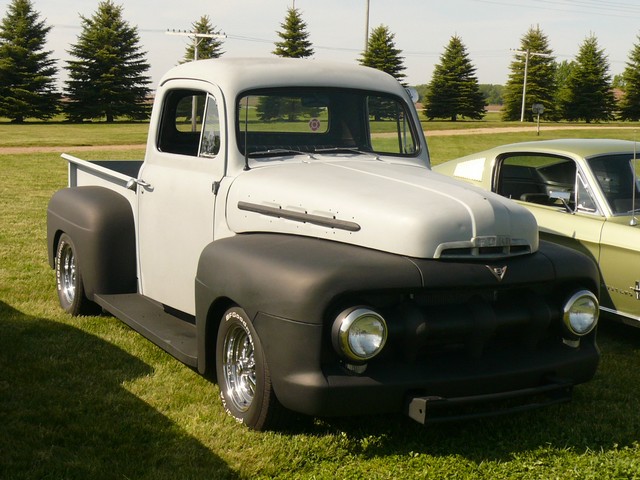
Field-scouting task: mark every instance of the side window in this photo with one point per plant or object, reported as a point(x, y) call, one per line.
point(181, 121)
point(584, 200)
point(210, 140)
point(531, 177)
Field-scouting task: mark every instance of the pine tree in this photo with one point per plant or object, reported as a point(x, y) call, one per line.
point(295, 43)
point(208, 47)
point(27, 71)
point(630, 81)
point(541, 85)
point(589, 93)
point(382, 53)
point(454, 90)
point(108, 78)
point(563, 72)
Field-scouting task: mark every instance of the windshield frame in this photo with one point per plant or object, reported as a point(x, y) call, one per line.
point(345, 126)
point(618, 193)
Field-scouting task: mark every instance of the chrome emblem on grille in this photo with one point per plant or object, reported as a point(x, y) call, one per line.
point(498, 272)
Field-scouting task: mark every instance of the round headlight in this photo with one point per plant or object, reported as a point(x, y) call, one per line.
point(581, 312)
point(359, 334)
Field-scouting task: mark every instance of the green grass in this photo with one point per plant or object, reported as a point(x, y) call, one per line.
point(88, 398)
point(66, 134)
point(444, 148)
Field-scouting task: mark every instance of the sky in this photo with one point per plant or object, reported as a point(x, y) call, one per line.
point(490, 29)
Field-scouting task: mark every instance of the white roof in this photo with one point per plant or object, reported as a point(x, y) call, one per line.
point(234, 75)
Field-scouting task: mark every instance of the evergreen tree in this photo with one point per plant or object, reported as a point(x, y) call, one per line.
point(541, 84)
point(589, 93)
point(454, 90)
point(630, 82)
point(27, 71)
point(563, 71)
point(295, 43)
point(382, 53)
point(108, 78)
point(208, 47)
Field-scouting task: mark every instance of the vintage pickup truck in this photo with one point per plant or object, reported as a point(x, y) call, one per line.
point(286, 235)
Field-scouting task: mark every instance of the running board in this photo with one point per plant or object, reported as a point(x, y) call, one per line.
point(174, 335)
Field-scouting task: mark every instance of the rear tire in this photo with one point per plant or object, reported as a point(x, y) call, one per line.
point(69, 280)
point(243, 373)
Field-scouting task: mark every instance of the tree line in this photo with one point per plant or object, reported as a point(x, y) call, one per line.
point(107, 74)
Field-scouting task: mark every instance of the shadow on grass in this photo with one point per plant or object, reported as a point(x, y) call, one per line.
point(65, 414)
point(603, 415)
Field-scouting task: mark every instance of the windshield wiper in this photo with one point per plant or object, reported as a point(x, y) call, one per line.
point(278, 152)
point(345, 150)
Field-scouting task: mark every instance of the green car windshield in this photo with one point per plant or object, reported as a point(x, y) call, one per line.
point(617, 176)
point(289, 121)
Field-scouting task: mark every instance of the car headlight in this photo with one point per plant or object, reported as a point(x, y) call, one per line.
point(581, 313)
point(359, 334)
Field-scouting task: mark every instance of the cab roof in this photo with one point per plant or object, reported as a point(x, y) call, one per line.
point(235, 75)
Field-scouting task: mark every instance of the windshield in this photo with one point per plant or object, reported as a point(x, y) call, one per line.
point(616, 178)
point(323, 120)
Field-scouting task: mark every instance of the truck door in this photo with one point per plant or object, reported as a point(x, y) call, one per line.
point(176, 199)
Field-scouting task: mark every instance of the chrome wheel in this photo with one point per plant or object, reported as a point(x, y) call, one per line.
point(239, 368)
point(67, 273)
point(69, 282)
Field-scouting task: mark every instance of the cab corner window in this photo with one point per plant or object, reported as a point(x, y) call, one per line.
point(210, 144)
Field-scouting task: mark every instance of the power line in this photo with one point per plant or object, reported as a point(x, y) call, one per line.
point(598, 9)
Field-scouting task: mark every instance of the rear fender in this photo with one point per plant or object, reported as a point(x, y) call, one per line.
point(100, 223)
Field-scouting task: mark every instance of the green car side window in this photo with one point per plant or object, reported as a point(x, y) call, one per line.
point(584, 199)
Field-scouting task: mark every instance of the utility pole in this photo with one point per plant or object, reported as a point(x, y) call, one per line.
point(366, 29)
point(527, 53)
point(197, 39)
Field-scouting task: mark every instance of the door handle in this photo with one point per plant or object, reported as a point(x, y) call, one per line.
point(133, 183)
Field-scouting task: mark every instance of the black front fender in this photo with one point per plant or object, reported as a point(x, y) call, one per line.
point(289, 277)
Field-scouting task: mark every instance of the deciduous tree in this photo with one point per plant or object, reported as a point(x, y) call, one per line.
point(27, 71)
point(454, 90)
point(108, 76)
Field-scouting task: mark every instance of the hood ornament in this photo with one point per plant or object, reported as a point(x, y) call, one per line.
point(498, 272)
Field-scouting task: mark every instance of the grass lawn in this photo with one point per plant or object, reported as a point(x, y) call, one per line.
point(89, 398)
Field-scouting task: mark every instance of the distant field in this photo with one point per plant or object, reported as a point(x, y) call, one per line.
point(88, 398)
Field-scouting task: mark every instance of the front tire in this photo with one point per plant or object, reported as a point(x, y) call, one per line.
point(243, 373)
point(69, 280)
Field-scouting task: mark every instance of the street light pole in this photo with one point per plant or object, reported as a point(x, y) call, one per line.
point(527, 53)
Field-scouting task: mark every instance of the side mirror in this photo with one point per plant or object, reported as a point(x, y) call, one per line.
point(413, 94)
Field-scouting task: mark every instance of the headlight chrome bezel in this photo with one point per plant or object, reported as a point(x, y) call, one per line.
point(359, 334)
point(578, 308)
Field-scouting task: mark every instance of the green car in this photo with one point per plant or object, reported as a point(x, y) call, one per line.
point(584, 194)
